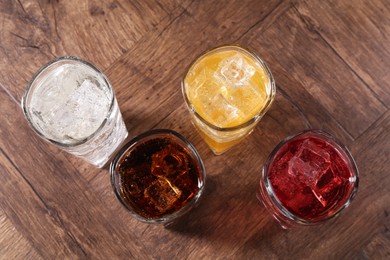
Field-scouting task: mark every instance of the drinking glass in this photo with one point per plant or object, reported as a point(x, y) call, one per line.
point(308, 178)
point(227, 91)
point(71, 104)
point(158, 176)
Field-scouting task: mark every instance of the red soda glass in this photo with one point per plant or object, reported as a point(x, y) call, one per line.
point(308, 178)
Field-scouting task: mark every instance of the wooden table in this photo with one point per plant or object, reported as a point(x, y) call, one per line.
point(331, 63)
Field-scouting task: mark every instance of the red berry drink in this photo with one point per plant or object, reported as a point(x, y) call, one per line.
point(307, 179)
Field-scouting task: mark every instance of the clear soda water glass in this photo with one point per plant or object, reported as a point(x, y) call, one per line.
point(71, 104)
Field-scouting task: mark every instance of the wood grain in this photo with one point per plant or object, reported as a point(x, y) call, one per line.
point(358, 32)
point(13, 239)
point(38, 31)
point(307, 58)
point(75, 231)
point(330, 60)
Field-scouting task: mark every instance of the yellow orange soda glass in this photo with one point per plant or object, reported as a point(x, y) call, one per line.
point(227, 90)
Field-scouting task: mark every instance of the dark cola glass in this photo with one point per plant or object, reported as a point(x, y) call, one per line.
point(158, 176)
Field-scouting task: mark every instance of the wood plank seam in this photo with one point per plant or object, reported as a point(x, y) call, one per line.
point(188, 5)
point(184, 11)
point(146, 35)
point(55, 22)
point(51, 211)
point(313, 29)
point(269, 15)
point(305, 118)
point(372, 125)
point(9, 94)
point(21, 5)
point(283, 93)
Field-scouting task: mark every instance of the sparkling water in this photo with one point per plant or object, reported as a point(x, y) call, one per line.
point(72, 105)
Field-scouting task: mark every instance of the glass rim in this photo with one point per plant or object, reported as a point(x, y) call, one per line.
point(29, 92)
point(133, 143)
point(254, 119)
point(340, 147)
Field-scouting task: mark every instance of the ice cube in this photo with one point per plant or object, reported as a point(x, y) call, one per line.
point(225, 112)
point(202, 86)
point(339, 166)
point(308, 173)
point(310, 151)
point(328, 186)
point(86, 107)
point(185, 184)
point(309, 163)
point(162, 194)
point(169, 162)
point(234, 71)
point(329, 181)
point(282, 181)
point(138, 179)
point(319, 196)
point(325, 179)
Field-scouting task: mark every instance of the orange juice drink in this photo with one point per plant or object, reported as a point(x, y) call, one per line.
point(227, 91)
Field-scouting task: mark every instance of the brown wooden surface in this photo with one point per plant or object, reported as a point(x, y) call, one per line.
point(331, 63)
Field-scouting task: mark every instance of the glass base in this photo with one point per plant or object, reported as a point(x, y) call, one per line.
point(217, 147)
point(101, 147)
